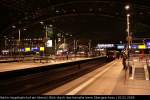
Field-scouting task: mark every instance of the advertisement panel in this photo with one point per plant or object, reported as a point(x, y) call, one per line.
point(49, 43)
point(42, 48)
point(141, 47)
point(27, 49)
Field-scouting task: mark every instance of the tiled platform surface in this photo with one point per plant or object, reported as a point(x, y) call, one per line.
point(112, 82)
point(116, 82)
point(23, 65)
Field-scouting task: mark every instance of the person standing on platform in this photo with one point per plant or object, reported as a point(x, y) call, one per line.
point(118, 55)
point(124, 57)
point(67, 54)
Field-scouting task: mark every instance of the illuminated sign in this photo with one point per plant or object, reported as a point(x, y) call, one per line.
point(22, 49)
point(35, 49)
point(134, 46)
point(19, 50)
point(137, 51)
point(49, 43)
point(105, 45)
point(27, 49)
point(120, 46)
point(41, 48)
point(5, 51)
point(148, 46)
point(141, 47)
point(148, 43)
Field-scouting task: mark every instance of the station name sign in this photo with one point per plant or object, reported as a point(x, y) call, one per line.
point(105, 45)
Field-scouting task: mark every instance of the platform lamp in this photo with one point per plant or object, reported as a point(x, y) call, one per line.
point(19, 33)
point(129, 38)
point(127, 8)
point(45, 35)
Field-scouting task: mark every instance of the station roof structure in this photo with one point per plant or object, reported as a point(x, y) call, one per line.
point(103, 20)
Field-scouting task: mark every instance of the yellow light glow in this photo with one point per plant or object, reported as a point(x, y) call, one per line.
point(27, 49)
point(41, 48)
point(141, 46)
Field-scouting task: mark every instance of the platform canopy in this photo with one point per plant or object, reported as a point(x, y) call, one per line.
point(103, 20)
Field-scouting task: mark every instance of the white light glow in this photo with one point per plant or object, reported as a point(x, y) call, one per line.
point(128, 15)
point(127, 7)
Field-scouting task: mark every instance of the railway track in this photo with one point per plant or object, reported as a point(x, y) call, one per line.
point(44, 80)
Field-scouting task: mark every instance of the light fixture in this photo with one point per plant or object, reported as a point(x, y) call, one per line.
point(74, 10)
point(51, 25)
point(13, 26)
point(100, 9)
point(57, 11)
point(41, 22)
point(128, 15)
point(90, 9)
point(141, 13)
point(127, 7)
